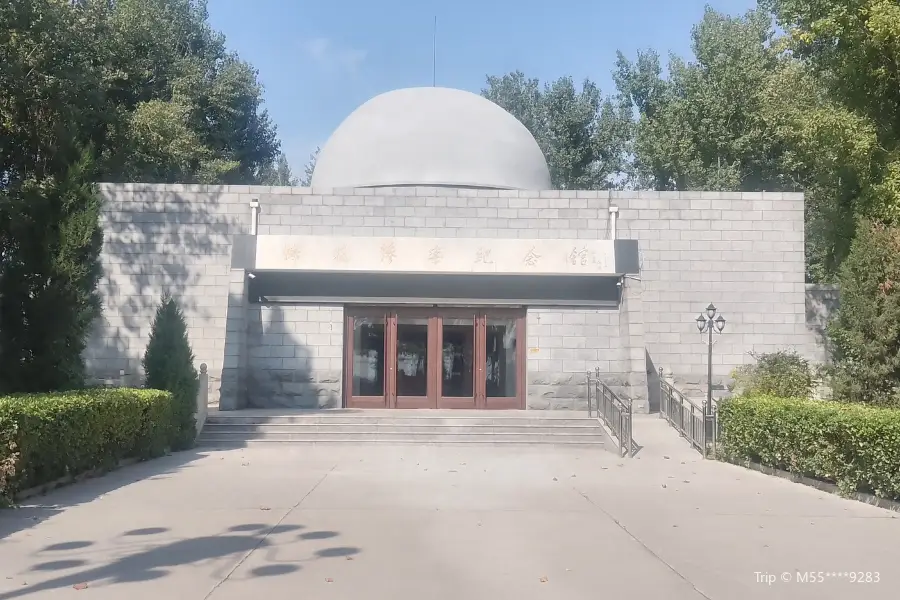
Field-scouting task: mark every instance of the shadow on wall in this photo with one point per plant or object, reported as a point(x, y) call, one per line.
point(280, 370)
point(155, 242)
point(652, 384)
point(822, 303)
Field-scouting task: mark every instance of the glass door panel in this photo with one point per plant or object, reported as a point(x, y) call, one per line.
point(434, 358)
point(412, 358)
point(365, 363)
point(501, 363)
point(457, 362)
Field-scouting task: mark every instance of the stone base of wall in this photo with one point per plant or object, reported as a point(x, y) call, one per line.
point(568, 391)
point(293, 389)
point(556, 391)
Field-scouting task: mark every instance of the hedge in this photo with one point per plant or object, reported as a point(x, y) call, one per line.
point(44, 437)
point(854, 446)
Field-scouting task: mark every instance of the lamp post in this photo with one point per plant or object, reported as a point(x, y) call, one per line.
point(710, 322)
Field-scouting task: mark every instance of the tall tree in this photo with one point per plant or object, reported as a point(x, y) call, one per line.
point(49, 272)
point(583, 136)
point(190, 110)
point(853, 47)
point(747, 116)
point(279, 173)
point(702, 128)
point(309, 168)
point(131, 90)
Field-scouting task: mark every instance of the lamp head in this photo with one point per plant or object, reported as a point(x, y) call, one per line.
point(720, 323)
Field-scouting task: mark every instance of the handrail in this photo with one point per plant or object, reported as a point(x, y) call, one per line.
point(612, 411)
point(688, 417)
point(202, 398)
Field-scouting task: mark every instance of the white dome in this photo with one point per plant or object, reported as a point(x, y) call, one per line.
point(431, 136)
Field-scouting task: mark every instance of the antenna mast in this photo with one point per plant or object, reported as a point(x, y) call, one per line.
point(434, 54)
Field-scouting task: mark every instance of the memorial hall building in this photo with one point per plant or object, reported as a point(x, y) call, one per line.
point(431, 265)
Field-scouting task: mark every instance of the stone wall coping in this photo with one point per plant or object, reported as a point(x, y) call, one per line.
point(426, 191)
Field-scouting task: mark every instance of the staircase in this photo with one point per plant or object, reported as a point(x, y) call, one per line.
point(350, 426)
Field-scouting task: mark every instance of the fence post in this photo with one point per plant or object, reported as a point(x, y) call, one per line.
point(202, 397)
point(662, 405)
point(587, 379)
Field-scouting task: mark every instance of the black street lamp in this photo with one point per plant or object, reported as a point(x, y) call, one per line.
point(710, 322)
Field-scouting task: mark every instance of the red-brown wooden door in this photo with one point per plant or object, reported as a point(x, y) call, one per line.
point(435, 358)
point(367, 346)
point(502, 359)
point(411, 359)
point(457, 363)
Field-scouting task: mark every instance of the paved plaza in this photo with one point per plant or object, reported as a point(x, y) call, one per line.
point(413, 522)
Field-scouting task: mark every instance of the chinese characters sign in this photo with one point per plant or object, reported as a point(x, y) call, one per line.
point(431, 255)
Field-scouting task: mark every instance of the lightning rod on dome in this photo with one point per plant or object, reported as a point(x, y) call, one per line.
point(434, 54)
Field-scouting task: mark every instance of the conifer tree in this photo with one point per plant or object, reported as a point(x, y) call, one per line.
point(50, 243)
point(865, 335)
point(169, 365)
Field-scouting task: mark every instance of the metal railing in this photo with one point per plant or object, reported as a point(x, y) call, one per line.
point(612, 411)
point(688, 417)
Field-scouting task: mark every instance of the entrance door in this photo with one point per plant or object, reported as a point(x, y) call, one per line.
point(458, 367)
point(434, 358)
point(411, 360)
point(366, 344)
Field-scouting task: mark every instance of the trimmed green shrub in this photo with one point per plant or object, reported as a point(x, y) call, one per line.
point(169, 365)
point(9, 459)
point(854, 446)
point(784, 373)
point(47, 436)
point(865, 335)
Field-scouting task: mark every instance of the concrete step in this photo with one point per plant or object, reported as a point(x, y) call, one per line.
point(346, 419)
point(405, 428)
point(402, 427)
point(213, 440)
point(424, 437)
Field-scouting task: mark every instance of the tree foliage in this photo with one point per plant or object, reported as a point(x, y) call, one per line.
point(866, 333)
point(748, 116)
point(279, 173)
point(94, 90)
point(309, 168)
point(49, 272)
point(583, 136)
point(853, 48)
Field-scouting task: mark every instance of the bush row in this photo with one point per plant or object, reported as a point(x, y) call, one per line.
point(47, 436)
point(854, 446)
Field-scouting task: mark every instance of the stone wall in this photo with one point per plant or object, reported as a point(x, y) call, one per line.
point(156, 239)
point(562, 346)
point(295, 356)
point(744, 252)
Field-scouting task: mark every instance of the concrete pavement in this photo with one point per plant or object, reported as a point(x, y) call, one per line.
point(341, 522)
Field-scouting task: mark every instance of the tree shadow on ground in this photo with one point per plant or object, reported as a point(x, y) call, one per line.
point(37, 509)
point(151, 560)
